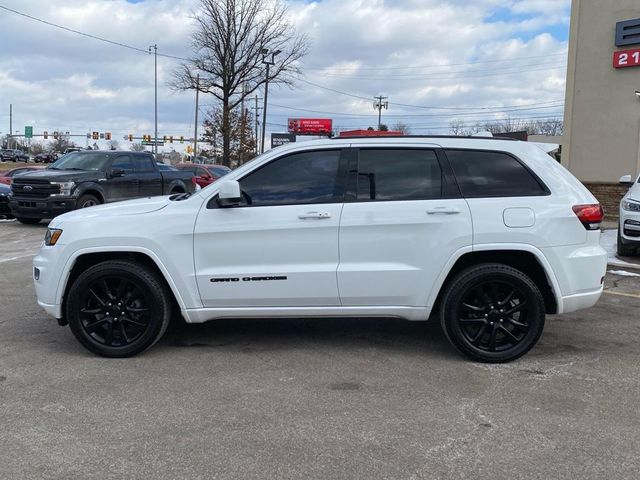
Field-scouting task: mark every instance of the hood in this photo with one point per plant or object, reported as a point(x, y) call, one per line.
point(137, 206)
point(62, 175)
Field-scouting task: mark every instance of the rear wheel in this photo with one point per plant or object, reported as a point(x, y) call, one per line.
point(625, 250)
point(28, 221)
point(492, 313)
point(118, 308)
point(87, 201)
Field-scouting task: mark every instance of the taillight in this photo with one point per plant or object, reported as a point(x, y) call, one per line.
point(589, 215)
point(193, 180)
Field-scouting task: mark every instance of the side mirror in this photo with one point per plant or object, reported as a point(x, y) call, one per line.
point(229, 194)
point(626, 180)
point(116, 172)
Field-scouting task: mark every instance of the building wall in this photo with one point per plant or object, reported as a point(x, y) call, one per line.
point(602, 112)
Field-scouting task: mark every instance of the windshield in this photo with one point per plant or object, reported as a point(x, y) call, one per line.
point(81, 161)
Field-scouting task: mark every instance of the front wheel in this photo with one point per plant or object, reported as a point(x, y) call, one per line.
point(118, 308)
point(492, 313)
point(86, 201)
point(625, 250)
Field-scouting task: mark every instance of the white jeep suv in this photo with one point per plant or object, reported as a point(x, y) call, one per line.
point(485, 235)
point(629, 228)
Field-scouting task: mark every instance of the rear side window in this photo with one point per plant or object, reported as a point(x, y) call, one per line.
point(398, 174)
point(143, 163)
point(124, 163)
point(492, 174)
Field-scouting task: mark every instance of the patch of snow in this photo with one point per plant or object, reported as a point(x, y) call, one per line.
point(624, 273)
point(609, 241)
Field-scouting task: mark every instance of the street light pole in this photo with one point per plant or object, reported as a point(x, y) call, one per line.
point(265, 59)
point(155, 76)
point(195, 129)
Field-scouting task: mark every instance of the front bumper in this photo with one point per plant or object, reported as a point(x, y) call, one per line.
point(49, 207)
point(5, 211)
point(629, 227)
point(45, 274)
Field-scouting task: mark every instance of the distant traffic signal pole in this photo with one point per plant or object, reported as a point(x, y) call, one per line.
point(155, 76)
point(268, 63)
point(195, 130)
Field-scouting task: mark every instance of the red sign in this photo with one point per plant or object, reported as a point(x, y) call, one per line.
point(310, 126)
point(626, 58)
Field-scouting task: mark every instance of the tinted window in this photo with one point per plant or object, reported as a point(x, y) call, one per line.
point(124, 163)
point(310, 177)
point(143, 163)
point(201, 171)
point(492, 174)
point(398, 175)
point(219, 171)
point(82, 161)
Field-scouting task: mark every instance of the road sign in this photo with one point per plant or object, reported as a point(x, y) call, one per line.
point(28, 132)
point(278, 139)
point(151, 143)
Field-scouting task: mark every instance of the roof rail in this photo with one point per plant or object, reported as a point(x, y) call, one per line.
point(424, 136)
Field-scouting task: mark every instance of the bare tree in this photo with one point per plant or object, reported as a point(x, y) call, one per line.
point(228, 44)
point(137, 147)
point(243, 141)
point(400, 126)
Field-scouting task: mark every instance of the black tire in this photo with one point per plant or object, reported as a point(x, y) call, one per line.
point(492, 313)
point(28, 221)
point(87, 200)
point(625, 250)
point(118, 308)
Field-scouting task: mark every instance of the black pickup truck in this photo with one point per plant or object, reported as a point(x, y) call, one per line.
point(87, 178)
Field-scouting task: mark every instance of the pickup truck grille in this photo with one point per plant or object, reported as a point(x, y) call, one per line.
point(33, 188)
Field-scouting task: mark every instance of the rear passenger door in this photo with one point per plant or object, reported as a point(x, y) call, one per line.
point(402, 220)
point(149, 178)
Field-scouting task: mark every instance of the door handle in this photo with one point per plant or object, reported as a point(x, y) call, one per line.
point(320, 215)
point(443, 211)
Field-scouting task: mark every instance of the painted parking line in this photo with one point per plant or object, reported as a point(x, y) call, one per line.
point(622, 294)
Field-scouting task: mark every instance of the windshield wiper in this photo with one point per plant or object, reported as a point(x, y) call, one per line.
point(71, 168)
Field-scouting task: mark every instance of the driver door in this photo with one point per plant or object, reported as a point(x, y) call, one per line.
point(126, 186)
point(280, 247)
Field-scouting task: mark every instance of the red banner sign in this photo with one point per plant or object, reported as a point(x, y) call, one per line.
point(310, 126)
point(626, 58)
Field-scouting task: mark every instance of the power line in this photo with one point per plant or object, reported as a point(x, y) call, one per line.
point(88, 35)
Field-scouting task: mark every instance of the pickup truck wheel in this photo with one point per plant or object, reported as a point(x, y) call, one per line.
point(492, 313)
point(118, 308)
point(87, 201)
point(28, 221)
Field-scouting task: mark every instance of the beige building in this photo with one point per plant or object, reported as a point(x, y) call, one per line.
point(602, 110)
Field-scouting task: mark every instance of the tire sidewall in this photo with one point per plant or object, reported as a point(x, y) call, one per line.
point(83, 199)
point(159, 309)
point(471, 278)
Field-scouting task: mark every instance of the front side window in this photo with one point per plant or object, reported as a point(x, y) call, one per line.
point(300, 178)
point(143, 163)
point(398, 174)
point(492, 174)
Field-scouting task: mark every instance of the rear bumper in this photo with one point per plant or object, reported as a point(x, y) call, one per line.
point(41, 207)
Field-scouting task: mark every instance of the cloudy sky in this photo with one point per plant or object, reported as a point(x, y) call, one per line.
point(436, 60)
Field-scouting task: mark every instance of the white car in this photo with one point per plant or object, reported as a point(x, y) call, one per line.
point(485, 235)
point(629, 228)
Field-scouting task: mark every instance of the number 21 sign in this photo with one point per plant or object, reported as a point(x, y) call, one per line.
point(626, 58)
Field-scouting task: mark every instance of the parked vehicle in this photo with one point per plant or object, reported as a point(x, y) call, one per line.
point(45, 158)
point(205, 174)
point(13, 155)
point(88, 178)
point(629, 227)
point(484, 235)
point(72, 149)
point(5, 177)
point(163, 167)
point(5, 192)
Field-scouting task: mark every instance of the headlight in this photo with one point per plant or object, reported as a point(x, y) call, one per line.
point(631, 205)
point(65, 188)
point(52, 236)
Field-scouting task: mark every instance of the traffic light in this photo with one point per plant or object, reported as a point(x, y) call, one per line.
point(95, 135)
point(107, 135)
point(164, 138)
point(189, 149)
point(46, 134)
point(181, 139)
point(130, 138)
point(55, 135)
point(170, 138)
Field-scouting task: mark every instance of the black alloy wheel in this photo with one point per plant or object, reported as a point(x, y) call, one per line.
point(493, 313)
point(86, 201)
point(118, 308)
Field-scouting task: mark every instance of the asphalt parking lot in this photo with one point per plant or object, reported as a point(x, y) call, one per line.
point(315, 399)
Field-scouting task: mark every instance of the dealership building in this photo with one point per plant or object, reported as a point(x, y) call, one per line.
point(602, 110)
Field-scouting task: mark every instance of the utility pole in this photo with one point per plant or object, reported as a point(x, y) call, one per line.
point(10, 125)
point(379, 103)
point(242, 125)
point(155, 54)
point(195, 130)
point(256, 121)
point(268, 62)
